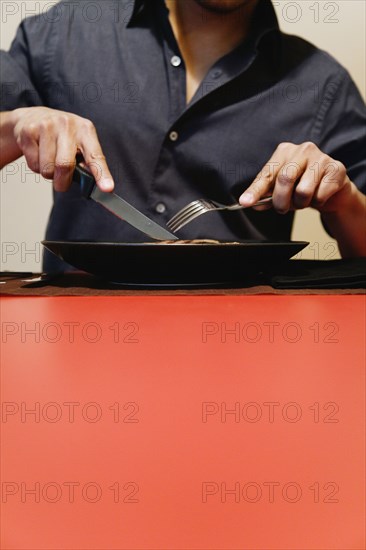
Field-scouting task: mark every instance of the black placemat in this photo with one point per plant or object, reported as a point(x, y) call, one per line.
point(349, 273)
point(292, 277)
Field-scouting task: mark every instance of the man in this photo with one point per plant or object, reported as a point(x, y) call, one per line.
point(180, 99)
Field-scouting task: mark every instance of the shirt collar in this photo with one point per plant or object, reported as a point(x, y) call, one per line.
point(137, 8)
point(264, 21)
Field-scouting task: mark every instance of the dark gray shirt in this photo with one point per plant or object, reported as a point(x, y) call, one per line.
point(118, 64)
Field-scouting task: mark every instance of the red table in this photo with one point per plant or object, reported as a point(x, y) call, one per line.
point(183, 422)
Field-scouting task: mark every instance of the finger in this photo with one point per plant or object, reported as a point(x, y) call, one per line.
point(65, 163)
point(263, 207)
point(334, 178)
point(31, 154)
point(286, 180)
point(263, 183)
point(304, 191)
point(47, 154)
point(28, 144)
point(265, 180)
point(95, 159)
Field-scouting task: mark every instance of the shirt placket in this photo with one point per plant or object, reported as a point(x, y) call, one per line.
point(176, 81)
point(176, 84)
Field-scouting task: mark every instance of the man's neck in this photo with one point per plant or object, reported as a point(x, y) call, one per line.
point(204, 36)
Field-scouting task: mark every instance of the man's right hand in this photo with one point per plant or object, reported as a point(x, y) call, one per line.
point(51, 139)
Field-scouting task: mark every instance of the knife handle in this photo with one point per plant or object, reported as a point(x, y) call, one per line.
point(85, 179)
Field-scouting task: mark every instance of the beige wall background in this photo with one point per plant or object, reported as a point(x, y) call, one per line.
point(26, 198)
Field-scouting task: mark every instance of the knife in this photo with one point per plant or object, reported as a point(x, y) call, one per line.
point(119, 207)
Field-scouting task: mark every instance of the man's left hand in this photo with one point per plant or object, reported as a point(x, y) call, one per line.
point(298, 176)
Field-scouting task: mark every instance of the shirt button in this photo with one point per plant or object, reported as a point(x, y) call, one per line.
point(173, 136)
point(160, 208)
point(175, 61)
point(216, 73)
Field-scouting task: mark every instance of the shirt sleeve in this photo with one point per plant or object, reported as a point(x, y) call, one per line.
point(25, 68)
point(342, 125)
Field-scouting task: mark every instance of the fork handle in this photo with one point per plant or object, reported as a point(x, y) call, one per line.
point(237, 206)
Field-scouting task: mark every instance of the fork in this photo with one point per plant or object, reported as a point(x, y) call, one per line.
point(202, 206)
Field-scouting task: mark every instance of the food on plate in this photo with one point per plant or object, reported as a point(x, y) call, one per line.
point(196, 241)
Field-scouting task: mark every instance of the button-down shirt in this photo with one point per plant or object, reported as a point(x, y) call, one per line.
point(118, 64)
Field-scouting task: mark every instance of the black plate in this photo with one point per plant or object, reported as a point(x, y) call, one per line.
point(157, 264)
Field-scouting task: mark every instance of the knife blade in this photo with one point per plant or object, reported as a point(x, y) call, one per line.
point(119, 207)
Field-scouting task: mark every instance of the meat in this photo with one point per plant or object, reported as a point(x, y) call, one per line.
point(194, 241)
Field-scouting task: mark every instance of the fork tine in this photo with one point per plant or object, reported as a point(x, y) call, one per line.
point(188, 219)
point(190, 212)
point(185, 212)
point(183, 220)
